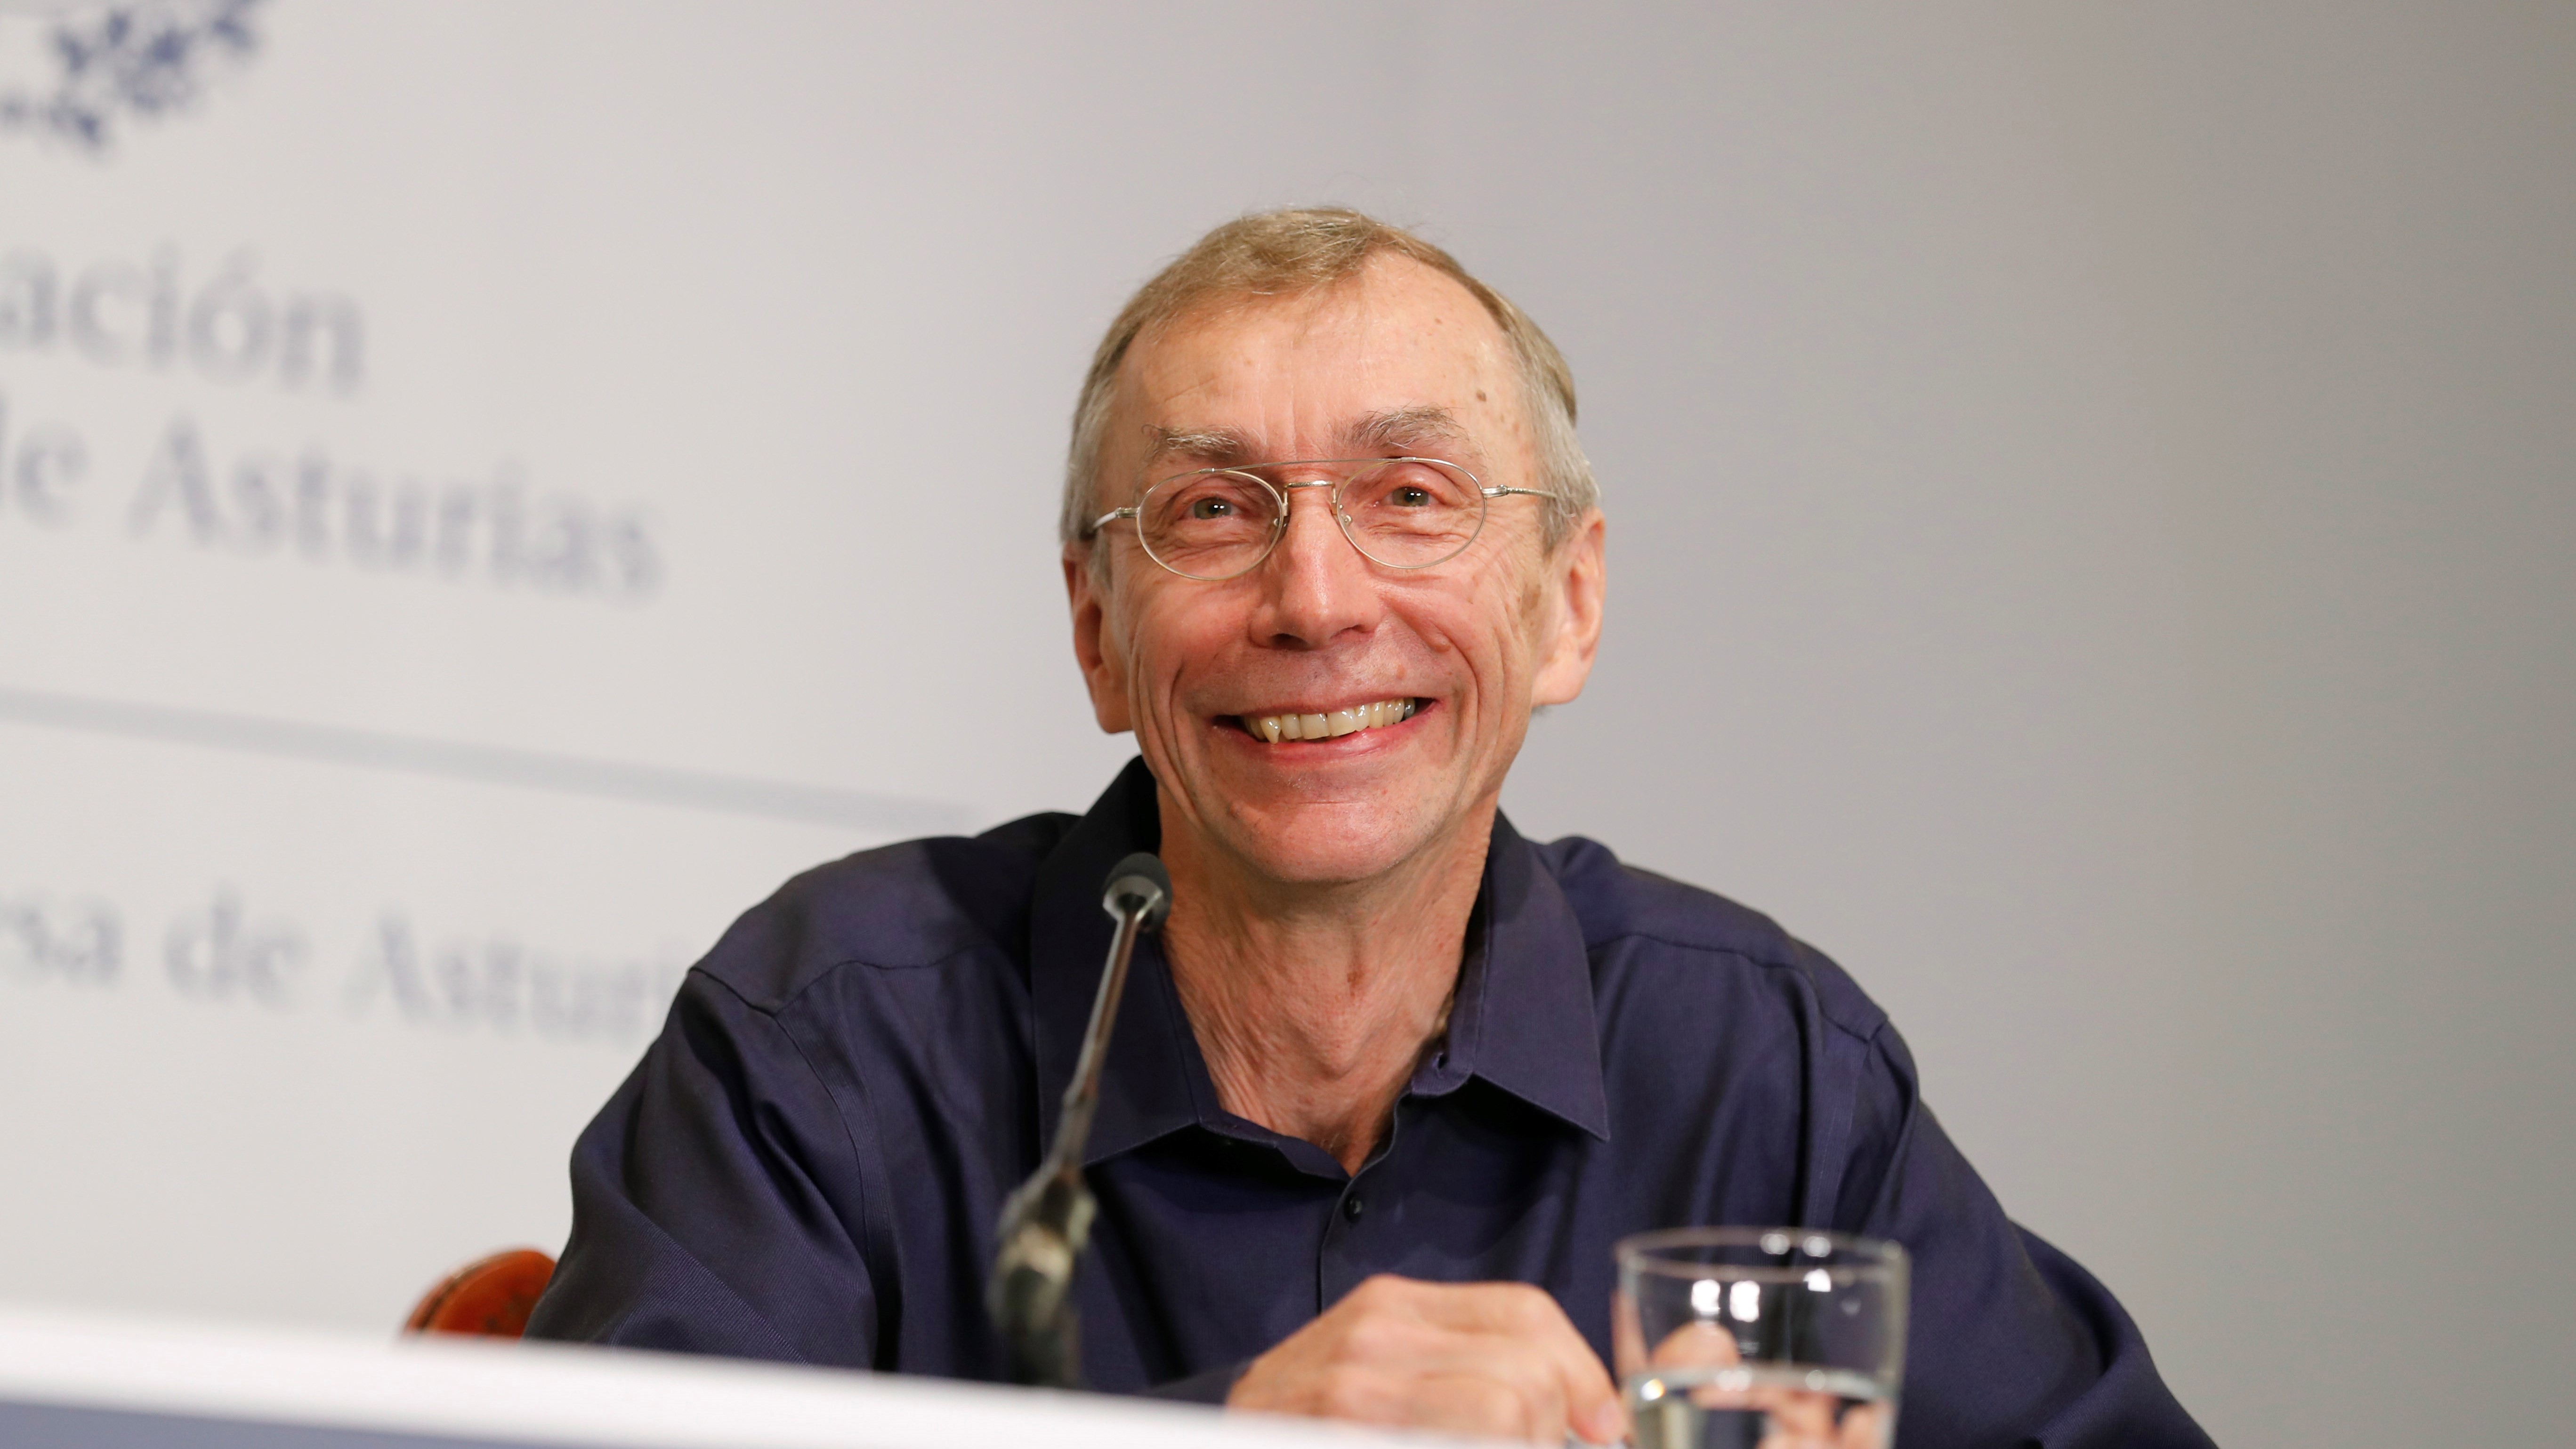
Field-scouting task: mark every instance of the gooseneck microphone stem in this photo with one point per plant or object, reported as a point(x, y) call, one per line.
point(1082, 1094)
point(1047, 1222)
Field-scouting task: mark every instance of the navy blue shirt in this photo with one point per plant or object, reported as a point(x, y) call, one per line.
point(809, 1163)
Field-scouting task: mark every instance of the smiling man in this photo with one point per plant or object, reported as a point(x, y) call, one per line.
point(1393, 1079)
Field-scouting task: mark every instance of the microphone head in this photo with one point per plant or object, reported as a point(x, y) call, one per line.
point(1140, 884)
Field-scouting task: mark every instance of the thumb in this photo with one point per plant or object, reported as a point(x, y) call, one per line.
point(1594, 1412)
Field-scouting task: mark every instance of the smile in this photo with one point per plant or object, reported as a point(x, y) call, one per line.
point(1328, 724)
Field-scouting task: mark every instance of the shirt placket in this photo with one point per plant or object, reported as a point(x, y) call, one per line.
point(1358, 1230)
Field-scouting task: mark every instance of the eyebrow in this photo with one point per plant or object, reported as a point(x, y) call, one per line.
point(1400, 430)
point(1408, 429)
point(1215, 447)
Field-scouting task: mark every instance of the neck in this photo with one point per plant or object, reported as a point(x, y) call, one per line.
point(1314, 1004)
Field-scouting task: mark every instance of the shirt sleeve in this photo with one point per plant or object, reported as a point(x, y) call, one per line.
point(698, 1192)
point(2009, 1341)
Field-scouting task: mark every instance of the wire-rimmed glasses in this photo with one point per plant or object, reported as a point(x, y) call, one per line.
point(1214, 524)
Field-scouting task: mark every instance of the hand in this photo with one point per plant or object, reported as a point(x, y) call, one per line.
point(1792, 1418)
point(1492, 1359)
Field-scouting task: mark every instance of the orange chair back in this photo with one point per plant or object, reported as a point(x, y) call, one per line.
point(489, 1298)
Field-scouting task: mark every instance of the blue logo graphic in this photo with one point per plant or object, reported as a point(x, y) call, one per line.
point(73, 70)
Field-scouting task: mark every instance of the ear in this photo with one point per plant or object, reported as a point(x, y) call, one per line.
point(1095, 644)
point(1573, 636)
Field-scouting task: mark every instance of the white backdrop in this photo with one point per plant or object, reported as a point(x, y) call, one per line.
point(481, 486)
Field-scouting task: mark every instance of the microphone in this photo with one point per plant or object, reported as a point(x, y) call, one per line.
point(1047, 1222)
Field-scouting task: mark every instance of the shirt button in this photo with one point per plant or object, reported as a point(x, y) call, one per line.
point(1353, 1206)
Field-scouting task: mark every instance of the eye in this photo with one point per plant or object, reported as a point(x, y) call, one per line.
point(1211, 508)
point(1410, 496)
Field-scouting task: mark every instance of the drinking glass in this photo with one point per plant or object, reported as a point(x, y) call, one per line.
point(1781, 1338)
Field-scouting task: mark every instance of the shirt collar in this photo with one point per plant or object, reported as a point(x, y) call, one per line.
point(1152, 1083)
point(1523, 1020)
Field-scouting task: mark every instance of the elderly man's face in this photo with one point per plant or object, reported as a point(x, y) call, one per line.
point(1398, 361)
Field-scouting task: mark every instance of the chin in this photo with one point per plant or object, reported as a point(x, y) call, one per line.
point(1324, 843)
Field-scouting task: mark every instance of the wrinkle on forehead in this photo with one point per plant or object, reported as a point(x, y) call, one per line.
point(1174, 419)
point(1423, 428)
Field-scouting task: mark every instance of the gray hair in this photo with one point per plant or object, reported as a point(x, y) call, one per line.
point(1291, 252)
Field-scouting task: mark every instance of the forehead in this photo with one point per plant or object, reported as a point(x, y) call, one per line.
point(1299, 375)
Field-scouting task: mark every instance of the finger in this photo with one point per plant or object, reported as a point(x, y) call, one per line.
point(1864, 1426)
point(1697, 1345)
point(1594, 1411)
point(1592, 1407)
point(1526, 1371)
point(1464, 1403)
point(1547, 1401)
point(1794, 1433)
point(1776, 1435)
point(1798, 1415)
point(1352, 1393)
point(1515, 1312)
point(1474, 1404)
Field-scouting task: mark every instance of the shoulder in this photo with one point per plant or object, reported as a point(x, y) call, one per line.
point(915, 903)
point(1635, 915)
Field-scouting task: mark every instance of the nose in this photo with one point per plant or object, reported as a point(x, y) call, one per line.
point(1315, 587)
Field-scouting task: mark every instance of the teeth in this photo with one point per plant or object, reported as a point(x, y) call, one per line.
point(1375, 715)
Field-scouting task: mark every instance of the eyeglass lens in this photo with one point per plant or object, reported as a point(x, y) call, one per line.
point(1404, 513)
